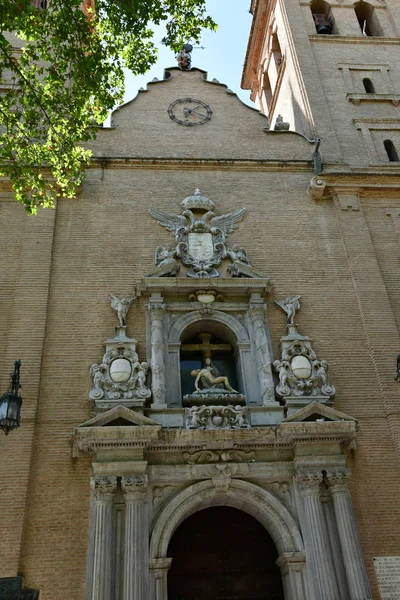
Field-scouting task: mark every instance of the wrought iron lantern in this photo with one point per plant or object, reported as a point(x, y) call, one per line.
point(10, 402)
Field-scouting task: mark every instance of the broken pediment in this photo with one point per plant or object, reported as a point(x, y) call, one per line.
point(185, 116)
point(116, 416)
point(316, 412)
point(113, 430)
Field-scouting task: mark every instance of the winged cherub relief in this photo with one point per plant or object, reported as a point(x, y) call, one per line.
point(200, 238)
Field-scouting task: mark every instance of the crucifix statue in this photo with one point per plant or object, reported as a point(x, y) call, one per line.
point(206, 346)
point(207, 377)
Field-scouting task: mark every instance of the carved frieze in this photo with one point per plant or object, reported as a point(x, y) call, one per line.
point(217, 417)
point(215, 456)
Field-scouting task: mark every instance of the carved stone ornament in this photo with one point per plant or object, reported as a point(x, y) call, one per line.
point(301, 373)
point(215, 456)
point(120, 378)
point(134, 488)
point(337, 480)
point(200, 238)
point(103, 488)
point(309, 482)
point(217, 417)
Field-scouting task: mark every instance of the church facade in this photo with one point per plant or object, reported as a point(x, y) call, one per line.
point(209, 332)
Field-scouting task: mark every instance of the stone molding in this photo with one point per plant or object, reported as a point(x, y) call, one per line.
point(103, 488)
point(159, 567)
point(261, 504)
point(134, 488)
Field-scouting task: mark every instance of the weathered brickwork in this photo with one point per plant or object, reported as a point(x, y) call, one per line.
point(341, 254)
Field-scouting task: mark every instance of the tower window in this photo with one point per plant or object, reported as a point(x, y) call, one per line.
point(367, 19)
point(368, 86)
point(322, 16)
point(391, 151)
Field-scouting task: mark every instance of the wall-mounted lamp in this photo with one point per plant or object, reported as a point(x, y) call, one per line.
point(10, 402)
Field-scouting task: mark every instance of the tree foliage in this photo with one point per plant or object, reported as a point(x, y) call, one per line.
point(67, 77)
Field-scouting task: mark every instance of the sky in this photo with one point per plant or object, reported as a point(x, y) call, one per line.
point(224, 52)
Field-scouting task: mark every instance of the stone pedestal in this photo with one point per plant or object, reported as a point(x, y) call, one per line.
point(101, 572)
point(357, 578)
point(325, 582)
point(136, 538)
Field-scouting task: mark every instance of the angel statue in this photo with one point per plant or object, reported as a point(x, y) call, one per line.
point(121, 306)
point(289, 306)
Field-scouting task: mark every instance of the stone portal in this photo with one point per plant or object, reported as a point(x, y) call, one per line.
point(223, 553)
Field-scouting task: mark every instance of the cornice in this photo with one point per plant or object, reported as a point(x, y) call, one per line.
point(104, 440)
point(202, 163)
point(341, 39)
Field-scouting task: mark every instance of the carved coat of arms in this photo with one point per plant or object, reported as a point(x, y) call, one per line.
point(200, 238)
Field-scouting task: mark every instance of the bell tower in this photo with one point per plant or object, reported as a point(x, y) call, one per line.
point(331, 71)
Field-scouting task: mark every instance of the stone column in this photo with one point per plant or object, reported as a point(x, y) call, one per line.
point(103, 493)
point(157, 354)
point(317, 535)
point(136, 538)
point(257, 315)
point(159, 569)
point(353, 558)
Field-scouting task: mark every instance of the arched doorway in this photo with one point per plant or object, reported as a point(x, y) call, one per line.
point(222, 553)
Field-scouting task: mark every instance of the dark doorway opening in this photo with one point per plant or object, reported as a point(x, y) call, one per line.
point(222, 553)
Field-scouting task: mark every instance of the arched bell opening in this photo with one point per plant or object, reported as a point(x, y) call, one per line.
point(322, 17)
point(222, 552)
point(209, 344)
point(367, 19)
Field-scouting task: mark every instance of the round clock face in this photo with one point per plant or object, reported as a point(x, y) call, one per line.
point(188, 111)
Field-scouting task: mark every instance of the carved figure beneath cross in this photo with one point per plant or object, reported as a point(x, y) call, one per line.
point(210, 386)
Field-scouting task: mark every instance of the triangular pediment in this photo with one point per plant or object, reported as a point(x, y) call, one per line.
point(316, 412)
point(118, 416)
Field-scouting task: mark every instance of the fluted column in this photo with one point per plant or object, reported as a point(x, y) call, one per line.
point(136, 538)
point(156, 311)
point(103, 493)
point(352, 553)
point(317, 534)
point(159, 569)
point(257, 315)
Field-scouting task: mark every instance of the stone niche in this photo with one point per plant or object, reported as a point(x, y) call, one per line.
point(232, 330)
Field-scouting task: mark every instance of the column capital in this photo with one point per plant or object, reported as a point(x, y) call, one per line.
point(103, 487)
point(308, 482)
point(156, 310)
point(159, 567)
point(257, 311)
point(337, 480)
point(134, 488)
